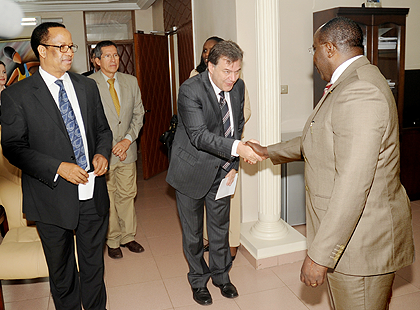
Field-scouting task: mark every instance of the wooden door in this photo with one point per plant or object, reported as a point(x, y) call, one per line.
point(152, 70)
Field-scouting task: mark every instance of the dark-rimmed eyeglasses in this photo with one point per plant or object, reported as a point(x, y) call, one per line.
point(63, 48)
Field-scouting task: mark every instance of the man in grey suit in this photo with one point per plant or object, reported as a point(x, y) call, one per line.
point(124, 110)
point(358, 213)
point(204, 152)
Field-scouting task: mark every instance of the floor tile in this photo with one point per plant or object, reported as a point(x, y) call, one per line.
point(150, 295)
point(406, 302)
point(122, 272)
point(275, 299)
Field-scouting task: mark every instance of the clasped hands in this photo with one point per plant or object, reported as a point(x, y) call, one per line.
point(76, 175)
point(251, 151)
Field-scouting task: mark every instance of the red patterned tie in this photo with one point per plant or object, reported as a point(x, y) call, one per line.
point(327, 87)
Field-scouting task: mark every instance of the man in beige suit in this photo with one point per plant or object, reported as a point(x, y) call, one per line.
point(358, 214)
point(124, 110)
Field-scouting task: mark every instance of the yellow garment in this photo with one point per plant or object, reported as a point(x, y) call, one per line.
point(114, 95)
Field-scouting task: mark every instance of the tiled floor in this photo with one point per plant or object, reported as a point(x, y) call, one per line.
point(156, 278)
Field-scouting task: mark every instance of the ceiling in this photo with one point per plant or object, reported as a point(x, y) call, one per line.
point(77, 5)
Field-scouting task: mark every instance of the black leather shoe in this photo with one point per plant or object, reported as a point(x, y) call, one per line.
point(115, 253)
point(202, 296)
point(133, 246)
point(228, 290)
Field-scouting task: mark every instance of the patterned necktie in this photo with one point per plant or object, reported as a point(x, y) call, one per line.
point(327, 87)
point(114, 95)
point(226, 124)
point(71, 125)
point(225, 114)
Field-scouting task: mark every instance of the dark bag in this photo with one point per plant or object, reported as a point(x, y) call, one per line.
point(168, 136)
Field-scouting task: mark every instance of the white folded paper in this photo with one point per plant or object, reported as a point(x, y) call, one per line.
point(225, 190)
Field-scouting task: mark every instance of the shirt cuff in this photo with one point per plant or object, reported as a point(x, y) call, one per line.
point(129, 138)
point(235, 147)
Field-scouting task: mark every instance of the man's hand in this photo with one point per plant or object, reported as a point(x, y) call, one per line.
point(73, 173)
point(260, 150)
point(247, 153)
point(311, 273)
point(230, 177)
point(121, 147)
point(100, 164)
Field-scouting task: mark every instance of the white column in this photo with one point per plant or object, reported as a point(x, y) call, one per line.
point(269, 225)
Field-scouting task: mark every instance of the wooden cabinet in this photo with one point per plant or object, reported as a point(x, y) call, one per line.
point(384, 42)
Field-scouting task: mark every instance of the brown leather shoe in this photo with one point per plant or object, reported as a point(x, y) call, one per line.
point(115, 253)
point(133, 246)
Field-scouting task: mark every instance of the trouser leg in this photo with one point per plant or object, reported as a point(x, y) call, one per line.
point(90, 240)
point(360, 293)
point(58, 245)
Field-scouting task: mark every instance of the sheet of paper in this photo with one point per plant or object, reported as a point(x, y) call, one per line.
point(225, 190)
point(86, 190)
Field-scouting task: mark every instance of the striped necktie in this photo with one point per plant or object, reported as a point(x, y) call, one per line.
point(71, 125)
point(327, 87)
point(227, 128)
point(114, 95)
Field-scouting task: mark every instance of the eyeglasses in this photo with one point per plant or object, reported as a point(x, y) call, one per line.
point(64, 48)
point(109, 56)
point(312, 49)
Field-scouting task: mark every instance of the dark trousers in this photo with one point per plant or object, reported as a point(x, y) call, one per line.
point(191, 213)
point(69, 287)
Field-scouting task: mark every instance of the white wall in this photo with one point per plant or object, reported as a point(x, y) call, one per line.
point(212, 18)
point(297, 69)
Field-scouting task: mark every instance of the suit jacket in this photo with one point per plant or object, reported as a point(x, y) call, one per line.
point(358, 213)
point(35, 139)
point(131, 115)
point(199, 148)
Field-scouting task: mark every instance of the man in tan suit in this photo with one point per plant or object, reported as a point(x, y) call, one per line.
point(358, 214)
point(124, 110)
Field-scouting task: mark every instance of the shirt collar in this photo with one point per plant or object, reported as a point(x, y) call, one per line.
point(50, 79)
point(107, 78)
point(341, 68)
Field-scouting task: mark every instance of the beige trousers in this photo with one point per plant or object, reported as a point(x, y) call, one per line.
point(360, 293)
point(121, 180)
point(234, 217)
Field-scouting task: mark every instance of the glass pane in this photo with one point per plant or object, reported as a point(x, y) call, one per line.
point(110, 25)
point(388, 54)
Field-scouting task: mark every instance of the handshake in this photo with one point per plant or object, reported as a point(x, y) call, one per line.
point(251, 151)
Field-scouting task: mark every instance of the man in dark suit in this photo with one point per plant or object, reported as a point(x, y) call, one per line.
point(204, 152)
point(54, 129)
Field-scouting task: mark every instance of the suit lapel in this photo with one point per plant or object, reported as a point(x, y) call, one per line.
point(43, 95)
point(213, 98)
point(354, 66)
point(79, 88)
point(105, 94)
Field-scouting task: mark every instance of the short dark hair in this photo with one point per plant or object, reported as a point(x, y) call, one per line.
point(100, 45)
point(228, 49)
point(2, 63)
point(343, 32)
point(41, 34)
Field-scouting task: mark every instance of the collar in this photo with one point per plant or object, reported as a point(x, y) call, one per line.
point(50, 79)
point(107, 78)
point(341, 68)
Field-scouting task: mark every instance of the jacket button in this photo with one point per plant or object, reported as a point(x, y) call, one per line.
point(73, 158)
point(216, 167)
point(119, 123)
